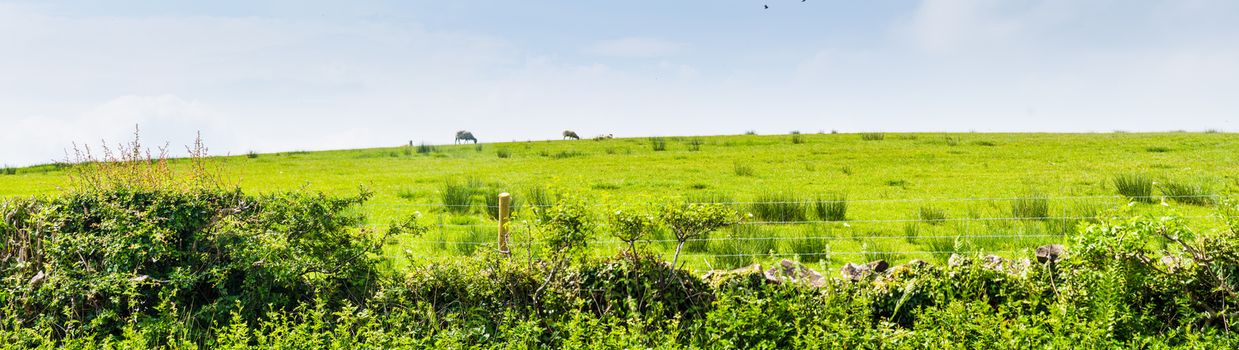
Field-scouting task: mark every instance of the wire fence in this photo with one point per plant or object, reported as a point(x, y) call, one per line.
point(850, 200)
point(872, 228)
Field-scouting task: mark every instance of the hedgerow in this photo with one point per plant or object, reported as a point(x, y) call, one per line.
point(160, 264)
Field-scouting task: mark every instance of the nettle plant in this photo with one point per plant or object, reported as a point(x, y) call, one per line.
point(691, 220)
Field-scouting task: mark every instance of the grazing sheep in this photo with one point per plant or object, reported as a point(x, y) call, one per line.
point(569, 134)
point(466, 136)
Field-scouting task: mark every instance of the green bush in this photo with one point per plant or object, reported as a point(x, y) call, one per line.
point(99, 260)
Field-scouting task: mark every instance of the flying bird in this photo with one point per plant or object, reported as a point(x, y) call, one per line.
point(767, 6)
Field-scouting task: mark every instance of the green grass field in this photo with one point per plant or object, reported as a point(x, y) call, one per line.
point(908, 195)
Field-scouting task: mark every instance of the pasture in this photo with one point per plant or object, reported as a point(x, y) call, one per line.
point(821, 198)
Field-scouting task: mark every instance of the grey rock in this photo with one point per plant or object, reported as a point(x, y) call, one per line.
point(794, 272)
point(1050, 253)
point(878, 265)
point(38, 278)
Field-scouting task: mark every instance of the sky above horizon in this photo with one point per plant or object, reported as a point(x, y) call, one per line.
point(271, 76)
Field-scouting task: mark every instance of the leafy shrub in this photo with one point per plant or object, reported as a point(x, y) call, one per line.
point(102, 258)
point(629, 226)
point(251, 155)
point(688, 221)
point(778, 207)
point(1137, 187)
point(7, 170)
point(658, 144)
point(750, 132)
point(831, 208)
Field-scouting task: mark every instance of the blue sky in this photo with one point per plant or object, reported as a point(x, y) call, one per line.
point(273, 76)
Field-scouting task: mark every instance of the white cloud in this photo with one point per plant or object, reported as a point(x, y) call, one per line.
point(635, 48)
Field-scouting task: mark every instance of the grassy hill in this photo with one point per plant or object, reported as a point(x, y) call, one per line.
point(908, 195)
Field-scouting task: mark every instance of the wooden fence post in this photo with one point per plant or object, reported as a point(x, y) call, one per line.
point(505, 209)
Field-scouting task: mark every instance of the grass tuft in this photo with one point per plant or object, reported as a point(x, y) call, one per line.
point(1157, 149)
point(810, 244)
point(1189, 192)
point(1137, 187)
point(568, 154)
point(471, 240)
point(1034, 207)
point(742, 169)
point(797, 138)
point(658, 144)
point(872, 136)
point(458, 197)
point(831, 208)
point(251, 155)
point(424, 148)
point(932, 215)
point(778, 207)
point(8, 170)
point(503, 153)
point(694, 144)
